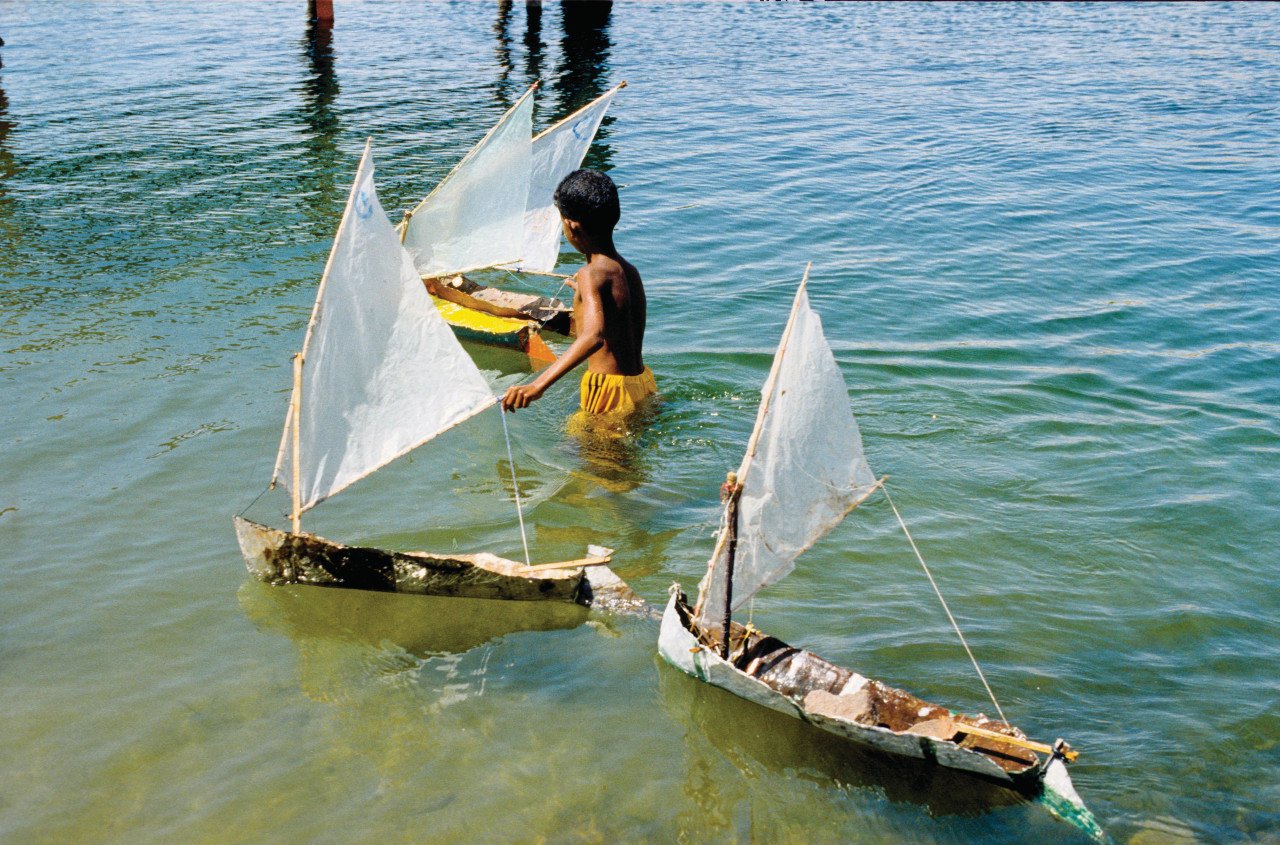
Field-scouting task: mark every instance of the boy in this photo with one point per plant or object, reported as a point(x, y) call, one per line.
point(608, 306)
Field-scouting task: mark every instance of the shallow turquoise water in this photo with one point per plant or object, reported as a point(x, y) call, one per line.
point(1045, 244)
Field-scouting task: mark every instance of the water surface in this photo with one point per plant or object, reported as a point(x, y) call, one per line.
point(1045, 243)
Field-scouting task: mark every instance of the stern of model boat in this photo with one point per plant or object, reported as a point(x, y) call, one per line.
point(1060, 798)
point(602, 589)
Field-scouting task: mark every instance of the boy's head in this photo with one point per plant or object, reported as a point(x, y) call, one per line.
point(589, 199)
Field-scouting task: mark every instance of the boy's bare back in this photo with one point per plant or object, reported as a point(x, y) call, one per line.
point(611, 292)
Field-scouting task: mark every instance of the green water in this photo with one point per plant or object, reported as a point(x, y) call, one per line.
point(1045, 243)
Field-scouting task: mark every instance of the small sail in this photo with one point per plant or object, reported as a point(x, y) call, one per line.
point(803, 473)
point(475, 217)
point(382, 372)
point(557, 152)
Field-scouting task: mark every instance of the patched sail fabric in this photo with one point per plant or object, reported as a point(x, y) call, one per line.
point(556, 153)
point(807, 471)
point(475, 217)
point(382, 372)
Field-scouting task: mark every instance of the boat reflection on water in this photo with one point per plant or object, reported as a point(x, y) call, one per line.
point(422, 626)
point(720, 727)
point(347, 639)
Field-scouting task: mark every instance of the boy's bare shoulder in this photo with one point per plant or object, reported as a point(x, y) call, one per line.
point(605, 271)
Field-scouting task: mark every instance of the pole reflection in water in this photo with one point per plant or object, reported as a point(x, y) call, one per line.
point(533, 40)
point(9, 230)
point(584, 67)
point(502, 53)
point(319, 90)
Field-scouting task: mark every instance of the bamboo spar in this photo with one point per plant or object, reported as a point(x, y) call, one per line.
point(562, 121)
point(295, 412)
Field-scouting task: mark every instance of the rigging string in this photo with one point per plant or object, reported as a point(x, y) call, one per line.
point(511, 462)
point(963, 642)
point(255, 500)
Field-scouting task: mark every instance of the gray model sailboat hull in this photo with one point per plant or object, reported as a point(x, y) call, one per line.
point(811, 685)
point(282, 557)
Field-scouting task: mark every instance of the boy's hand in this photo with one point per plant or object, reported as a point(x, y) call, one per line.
point(519, 396)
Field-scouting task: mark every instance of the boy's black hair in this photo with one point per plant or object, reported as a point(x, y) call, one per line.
point(589, 198)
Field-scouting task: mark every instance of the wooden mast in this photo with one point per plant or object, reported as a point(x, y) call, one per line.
point(732, 490)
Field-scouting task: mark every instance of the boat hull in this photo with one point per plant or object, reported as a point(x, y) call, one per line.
point(282, 557)
point(1046, 780)
point(519, 334)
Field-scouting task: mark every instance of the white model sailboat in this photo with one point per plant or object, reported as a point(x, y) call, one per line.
point(495, 209)
point(379, 375)
point(803, 472)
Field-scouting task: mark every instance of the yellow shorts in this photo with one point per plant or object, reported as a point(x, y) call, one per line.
point(603, 393)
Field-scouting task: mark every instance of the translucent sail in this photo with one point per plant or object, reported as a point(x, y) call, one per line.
point(557, 152)
point(807, 470)
point(475, 217)
point(382, 372)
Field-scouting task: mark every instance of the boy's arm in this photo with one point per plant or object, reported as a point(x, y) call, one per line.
point(590, 338)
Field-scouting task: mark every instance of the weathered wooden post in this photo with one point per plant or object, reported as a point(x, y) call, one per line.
point(321, 10)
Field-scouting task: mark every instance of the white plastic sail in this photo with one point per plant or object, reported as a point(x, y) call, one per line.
point(803, 473)
point(557, 152)
point(382, 372)
point(475, 217)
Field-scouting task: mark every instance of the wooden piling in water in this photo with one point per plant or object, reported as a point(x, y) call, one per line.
point(321, 10)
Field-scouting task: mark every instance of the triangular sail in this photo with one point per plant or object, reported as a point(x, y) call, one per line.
point(475, 217)
point(557, 152)
point(382, 372)
point(803, 472)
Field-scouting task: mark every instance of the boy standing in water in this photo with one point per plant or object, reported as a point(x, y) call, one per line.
point(608, 306)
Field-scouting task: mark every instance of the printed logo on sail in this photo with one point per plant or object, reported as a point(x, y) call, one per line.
point(579, 129)
point(364, 205)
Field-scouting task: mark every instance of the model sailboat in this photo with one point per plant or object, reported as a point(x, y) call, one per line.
point(804, 471)
point(379, 375)
point(494, 210)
